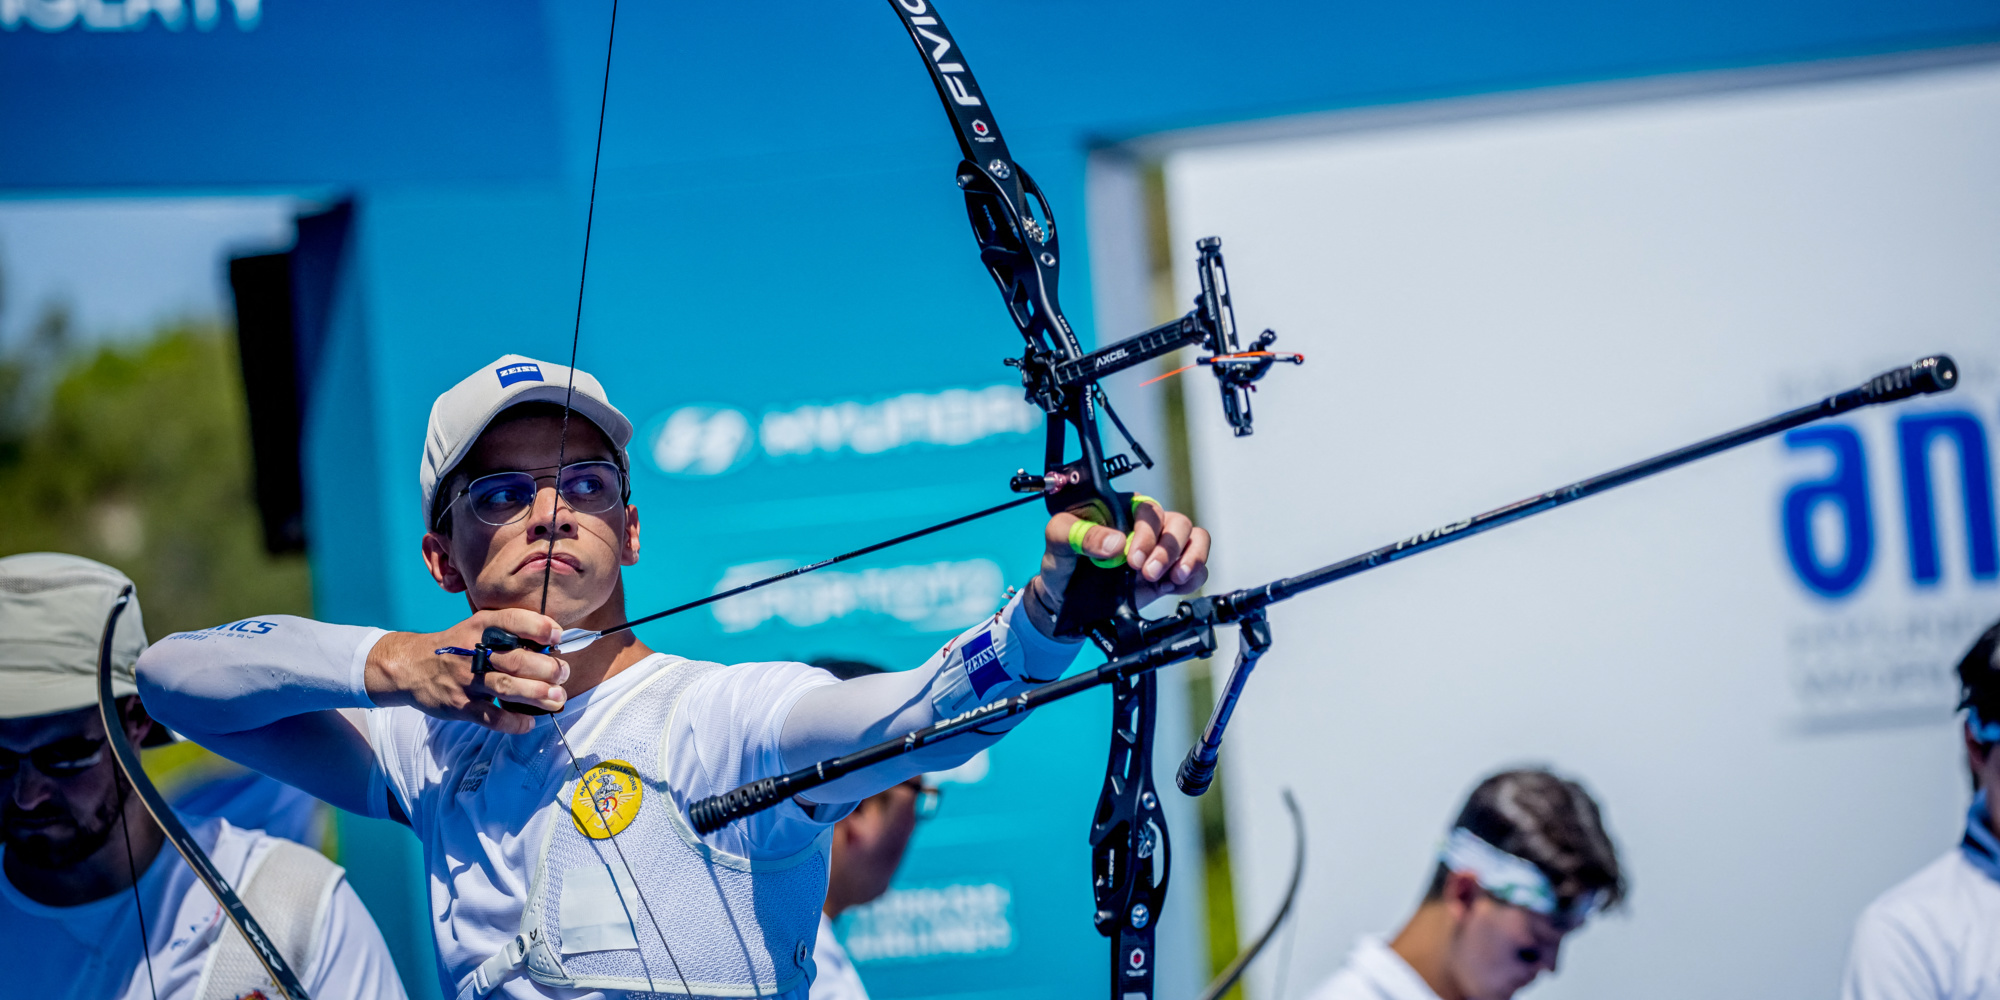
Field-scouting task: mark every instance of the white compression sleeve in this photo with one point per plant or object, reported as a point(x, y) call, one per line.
point(997, 658)
point(249, 674)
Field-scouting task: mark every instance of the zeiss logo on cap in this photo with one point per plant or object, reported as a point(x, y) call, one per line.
point(518, 373)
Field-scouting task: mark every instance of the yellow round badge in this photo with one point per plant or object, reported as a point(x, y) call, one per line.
point(607, 800)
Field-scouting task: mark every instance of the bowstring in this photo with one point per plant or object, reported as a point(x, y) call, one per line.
point(562, 446)
point(132, 867)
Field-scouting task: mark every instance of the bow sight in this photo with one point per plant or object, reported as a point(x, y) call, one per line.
point(1211, 324)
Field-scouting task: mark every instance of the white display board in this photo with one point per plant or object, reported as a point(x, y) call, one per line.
point(1498, 305)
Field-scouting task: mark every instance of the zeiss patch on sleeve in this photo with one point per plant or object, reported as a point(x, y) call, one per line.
point(975, 666)
point(518, 373)
point(982, 663)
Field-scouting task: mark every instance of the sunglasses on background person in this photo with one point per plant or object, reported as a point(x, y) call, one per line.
point(61, 759)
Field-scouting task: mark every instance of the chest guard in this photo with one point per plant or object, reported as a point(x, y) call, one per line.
point(736, 928)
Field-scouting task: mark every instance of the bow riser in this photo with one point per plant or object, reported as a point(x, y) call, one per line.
point(1128, 839)
point(1023, 256)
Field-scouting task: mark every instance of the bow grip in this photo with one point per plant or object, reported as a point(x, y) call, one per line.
point(717, 811)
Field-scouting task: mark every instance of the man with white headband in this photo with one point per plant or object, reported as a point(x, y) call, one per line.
point(92, 905)
point(1936, 935)
point(558, 852)
point(1527, 862)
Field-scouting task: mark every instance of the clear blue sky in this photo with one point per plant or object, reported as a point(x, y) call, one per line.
point(125, 264)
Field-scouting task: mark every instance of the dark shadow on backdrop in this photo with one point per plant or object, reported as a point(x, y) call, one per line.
point(284, 302)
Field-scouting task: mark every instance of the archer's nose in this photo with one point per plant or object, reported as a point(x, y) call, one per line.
point(551, 517)
point(29, 788)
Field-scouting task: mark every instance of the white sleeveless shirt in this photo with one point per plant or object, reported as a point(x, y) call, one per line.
point(671, 915)
point(493, 812)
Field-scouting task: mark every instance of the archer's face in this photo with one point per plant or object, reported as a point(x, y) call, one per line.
point(56, 818)
point(1984, 759)
point(503, 566)
point(869, 847)
point(1497, 949)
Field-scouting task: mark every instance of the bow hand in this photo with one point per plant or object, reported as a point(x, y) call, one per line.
point(1168, 555)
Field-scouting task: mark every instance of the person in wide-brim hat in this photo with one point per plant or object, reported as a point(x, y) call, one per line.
point(91, 906)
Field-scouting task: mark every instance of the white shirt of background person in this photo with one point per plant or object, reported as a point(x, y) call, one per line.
point(1936, 935)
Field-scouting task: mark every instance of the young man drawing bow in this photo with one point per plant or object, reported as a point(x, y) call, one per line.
point(548, 873)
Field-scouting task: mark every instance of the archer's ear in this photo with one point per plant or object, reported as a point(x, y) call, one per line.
point(628, 554)
point(1461, 891)
point(437, 558)
point(138, 723)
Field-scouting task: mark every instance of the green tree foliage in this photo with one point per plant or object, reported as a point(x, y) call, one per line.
point(138, 455)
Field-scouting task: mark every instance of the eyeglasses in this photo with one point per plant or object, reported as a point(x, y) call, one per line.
point(61, 759)
point(505, 497)
point(928, 798)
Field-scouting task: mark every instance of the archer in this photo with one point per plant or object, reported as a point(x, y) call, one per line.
point(537, 885)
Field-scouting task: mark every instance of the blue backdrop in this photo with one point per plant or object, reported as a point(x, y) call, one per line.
point(782, 294)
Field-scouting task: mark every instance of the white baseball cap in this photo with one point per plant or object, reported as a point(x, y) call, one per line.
point(52, 612)
point(462, 413)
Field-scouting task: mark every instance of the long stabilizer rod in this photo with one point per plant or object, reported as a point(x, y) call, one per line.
point(1933, 374)
point(1189, 632)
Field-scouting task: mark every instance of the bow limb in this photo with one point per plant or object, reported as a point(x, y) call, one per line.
point(1017, 236)
point(177, 833)
point(1234, 970)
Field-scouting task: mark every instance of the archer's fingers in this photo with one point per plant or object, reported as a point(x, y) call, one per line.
point(1098, 541)
point(539, 629)
point(493, 717)
point(1165, 552)
point(1145, 533)
point(512, 687)
point(530, 665)
point(1192, 569)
